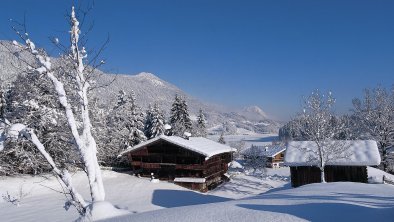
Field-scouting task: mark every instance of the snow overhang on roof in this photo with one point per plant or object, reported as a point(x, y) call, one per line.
point(203, 146)
point(359, 153)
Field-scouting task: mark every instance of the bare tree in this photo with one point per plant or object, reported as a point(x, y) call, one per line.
point(375, 113)
point(254, 159)
point(20, 130)
point(239, 147)
point(317, 123)
point(76, 112)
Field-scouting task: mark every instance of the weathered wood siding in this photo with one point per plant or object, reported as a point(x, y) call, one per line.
point(310, 174)
point(168, 161)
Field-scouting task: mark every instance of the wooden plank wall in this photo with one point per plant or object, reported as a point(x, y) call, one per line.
point(309, 174)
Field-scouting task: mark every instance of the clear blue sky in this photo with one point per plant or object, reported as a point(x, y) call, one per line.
point(237, 53)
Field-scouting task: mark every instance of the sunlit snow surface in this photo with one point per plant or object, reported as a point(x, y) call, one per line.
point(268, 198)
point(124, 191)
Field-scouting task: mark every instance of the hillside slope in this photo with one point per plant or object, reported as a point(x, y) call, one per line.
point(150, 89)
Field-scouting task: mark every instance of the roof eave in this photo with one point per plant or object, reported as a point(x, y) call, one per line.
point(141, 145)
point(166, 138)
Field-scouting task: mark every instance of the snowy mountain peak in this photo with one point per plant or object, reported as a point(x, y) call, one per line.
point(254, 113)
point(146, 75)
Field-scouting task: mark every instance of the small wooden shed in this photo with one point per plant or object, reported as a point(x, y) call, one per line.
point(303, 164)
point(196, 163)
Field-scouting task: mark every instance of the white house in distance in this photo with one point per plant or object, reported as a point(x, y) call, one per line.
point(301, 157)
point(273, 154)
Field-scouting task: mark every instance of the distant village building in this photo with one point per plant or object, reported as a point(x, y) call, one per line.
point(303, 165)
point(196, 163)
point(273, 155)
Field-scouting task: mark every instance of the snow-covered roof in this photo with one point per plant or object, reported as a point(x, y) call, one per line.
point(235, 165)
point(267, 151)
point(201, 145)
point(360, 153)
point(189, 180)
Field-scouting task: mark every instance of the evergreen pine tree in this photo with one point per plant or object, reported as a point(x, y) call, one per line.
point(30, 100)
point(121, 100)
point(221, 138)
point(175, 113)
point(187, 122)
point(157, 128)
point(148, 122)
point(180, 120)
point(117, 124)
point(201, 127)
point(126, 122)
point(135, 123)
point(2, 104)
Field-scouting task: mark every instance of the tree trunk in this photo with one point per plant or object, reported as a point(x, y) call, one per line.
point(384, 157)
point(88, 146)
point(63, 175)
point(322, 175)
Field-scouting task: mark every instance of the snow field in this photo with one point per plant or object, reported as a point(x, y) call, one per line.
point(124, 191)
point(246, 197)
point(342, 201)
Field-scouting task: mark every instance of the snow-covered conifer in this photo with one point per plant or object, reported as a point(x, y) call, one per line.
point(200, 128)
point(175, 116)
point(221, 138)
point(100, 129)
point(157, 121)
point(2, 104)
point(126, 124)
point(117, 131)
point(135, 123)
point(31, 100)
point(180, 120)
point(148, 121)
point(121, 100)
point(186, 117)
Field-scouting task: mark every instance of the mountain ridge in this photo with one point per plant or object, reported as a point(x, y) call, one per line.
point(149, 89)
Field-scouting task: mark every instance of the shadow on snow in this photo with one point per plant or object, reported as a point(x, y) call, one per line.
point(328, 211)
point(178, 198)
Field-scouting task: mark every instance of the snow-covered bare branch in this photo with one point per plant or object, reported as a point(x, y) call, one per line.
point(317, 123)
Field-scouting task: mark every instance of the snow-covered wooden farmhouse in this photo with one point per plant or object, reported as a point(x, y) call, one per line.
point(196, 163)
point(273, 155)
point(301, 157)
